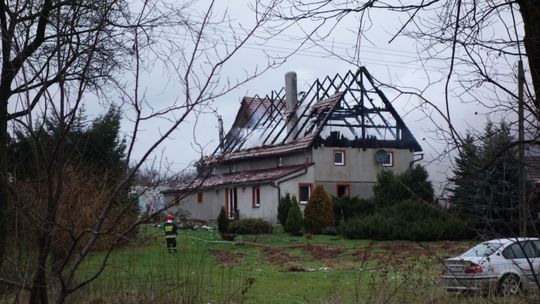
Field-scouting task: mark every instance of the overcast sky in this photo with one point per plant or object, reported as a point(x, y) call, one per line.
point(395, 63)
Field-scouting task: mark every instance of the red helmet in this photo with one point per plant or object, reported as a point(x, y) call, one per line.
point(169, 217)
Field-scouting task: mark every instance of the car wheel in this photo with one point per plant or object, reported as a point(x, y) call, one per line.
point(509, 285)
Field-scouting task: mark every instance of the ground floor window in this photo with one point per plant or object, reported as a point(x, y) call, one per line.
point(304, 192)
point(256, 195)
point(231, 201)
point(343, 190)
point(199, 197)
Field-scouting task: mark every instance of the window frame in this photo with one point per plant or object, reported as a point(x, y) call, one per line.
point(343, 158)
point(390, 163)
point(255, 196)
point(347, 185)
point(310, 190)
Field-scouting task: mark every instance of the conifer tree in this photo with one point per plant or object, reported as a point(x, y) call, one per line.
point(319, 212)
point(223, 221)
point(283, 209)
point(294, 221)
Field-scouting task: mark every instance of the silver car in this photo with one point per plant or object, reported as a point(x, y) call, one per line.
point(505, 266)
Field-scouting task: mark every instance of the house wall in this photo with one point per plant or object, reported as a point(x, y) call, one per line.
point(296, 158)
point(360, 169)
point(268, 206)
point(208, 210)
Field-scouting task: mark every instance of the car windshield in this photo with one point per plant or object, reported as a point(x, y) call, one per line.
point(482, 249)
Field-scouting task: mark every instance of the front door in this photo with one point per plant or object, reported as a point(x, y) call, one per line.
point(232, 203)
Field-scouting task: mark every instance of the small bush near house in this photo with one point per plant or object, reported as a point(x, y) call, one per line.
point(283, 209)
point(319, 212)
point(408, 220)
point(223, 221)
point(250, 226)
point(347, 208)
point(294, 221)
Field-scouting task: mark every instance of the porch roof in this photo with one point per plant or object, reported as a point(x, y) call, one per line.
point(238, 178)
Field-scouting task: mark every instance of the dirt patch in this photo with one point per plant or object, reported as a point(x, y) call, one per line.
point(278, 256)
point(454, 248)
point(226, 258)
point(322, 252)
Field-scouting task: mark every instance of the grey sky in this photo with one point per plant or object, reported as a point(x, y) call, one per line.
point(393, 63)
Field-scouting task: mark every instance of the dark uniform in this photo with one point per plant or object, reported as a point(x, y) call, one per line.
point(171, 230)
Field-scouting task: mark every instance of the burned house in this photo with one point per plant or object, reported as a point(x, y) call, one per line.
point(339, 133)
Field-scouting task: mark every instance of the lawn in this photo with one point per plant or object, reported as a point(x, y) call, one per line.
point(274, 268)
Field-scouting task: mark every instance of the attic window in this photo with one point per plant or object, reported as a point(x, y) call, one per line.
point(339, 158)
point(213, 170)
point(280, 161)
point(389, 161)
point(232, 167)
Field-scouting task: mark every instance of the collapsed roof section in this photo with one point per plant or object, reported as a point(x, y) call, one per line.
point(347, 110)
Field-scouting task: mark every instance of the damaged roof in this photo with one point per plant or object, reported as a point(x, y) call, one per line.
point(347, 110)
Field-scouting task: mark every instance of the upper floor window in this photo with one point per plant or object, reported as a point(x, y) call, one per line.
point(304, 192)
point(389, 161)
point(256, 194)
point(280, 161)
point(213, 170)
point(232, 167)
point(339, 158)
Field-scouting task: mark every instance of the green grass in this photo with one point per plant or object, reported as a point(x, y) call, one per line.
point(359, 271)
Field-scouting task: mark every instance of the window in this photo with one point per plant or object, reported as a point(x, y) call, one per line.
point(199, 197)
point(339, 158)
point(304, 191)
point(232, 168)
point(231, 203)
point(389, 161)
point(520, 250)
point(214, 170)
point(280, 161)
point(343, 190)
point(256, 195)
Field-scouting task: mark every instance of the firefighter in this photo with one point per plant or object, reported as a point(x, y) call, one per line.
point(171, 230)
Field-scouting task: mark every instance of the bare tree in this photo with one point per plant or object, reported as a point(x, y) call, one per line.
point(476, 43)
point(55, 55)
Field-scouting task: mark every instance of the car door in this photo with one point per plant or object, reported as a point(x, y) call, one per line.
point(536, 244)
point(523, 256)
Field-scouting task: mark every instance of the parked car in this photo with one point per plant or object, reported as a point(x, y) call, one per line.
point(505, 266)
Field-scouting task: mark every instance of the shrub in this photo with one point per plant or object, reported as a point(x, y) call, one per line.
point(223, 221)
point(283, 209)
point(250, 226)
point(347, 208)
point(319, 212)
point(408, 220)
point(294, 222)
point(392, 189)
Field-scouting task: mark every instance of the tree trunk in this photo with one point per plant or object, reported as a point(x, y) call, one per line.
point(530, 12)
point(38, 293)
point(3, 179)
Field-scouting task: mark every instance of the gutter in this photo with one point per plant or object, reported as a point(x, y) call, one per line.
point(276, 185)
point(411, 164)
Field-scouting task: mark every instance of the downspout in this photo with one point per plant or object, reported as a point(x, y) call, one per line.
point(411, 164)
point(276, 185)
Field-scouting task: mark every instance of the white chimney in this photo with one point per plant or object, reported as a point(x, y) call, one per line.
point(291, 102)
